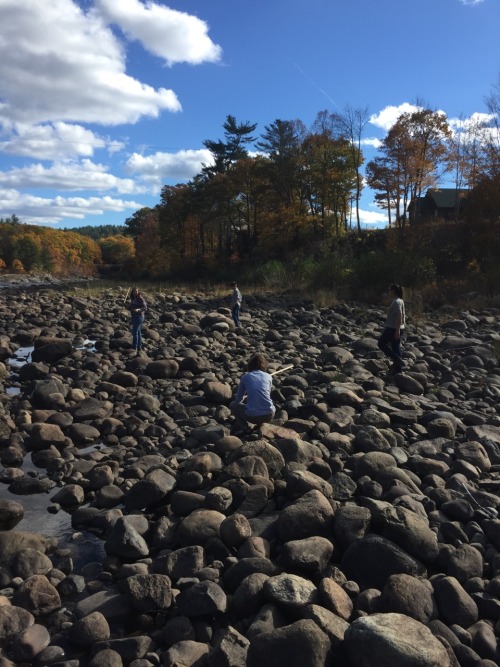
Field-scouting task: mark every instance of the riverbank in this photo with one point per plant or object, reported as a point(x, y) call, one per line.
point(367, 509)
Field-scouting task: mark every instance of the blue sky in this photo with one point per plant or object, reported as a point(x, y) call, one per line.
point(104, 101)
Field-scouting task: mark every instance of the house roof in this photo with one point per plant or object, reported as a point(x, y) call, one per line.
point(446, 197)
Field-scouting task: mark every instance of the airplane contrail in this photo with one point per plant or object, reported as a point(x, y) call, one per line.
point(313, 82)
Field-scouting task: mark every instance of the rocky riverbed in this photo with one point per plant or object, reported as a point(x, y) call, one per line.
point(360, 529)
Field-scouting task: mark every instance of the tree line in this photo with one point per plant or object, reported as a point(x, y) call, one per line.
point(292, 194)
point(63, 252)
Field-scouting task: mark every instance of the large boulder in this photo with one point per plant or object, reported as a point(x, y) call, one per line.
point(393, 639)
point(297, 645)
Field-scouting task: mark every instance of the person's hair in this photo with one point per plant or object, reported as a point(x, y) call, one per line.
point(135, 291)
point(257, 362)
point(233, 284)
point(397, 289)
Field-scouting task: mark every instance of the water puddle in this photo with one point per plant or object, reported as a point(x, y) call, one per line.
point(21, 357)
point(85, 547)
point(88, 345)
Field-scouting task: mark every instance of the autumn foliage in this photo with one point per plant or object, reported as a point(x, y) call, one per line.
point(32, 248)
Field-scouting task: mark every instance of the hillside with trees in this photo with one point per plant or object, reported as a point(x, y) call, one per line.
point(288, 215)
point(32, 248)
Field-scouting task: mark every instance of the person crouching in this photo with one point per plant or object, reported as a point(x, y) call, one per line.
point(256, 384)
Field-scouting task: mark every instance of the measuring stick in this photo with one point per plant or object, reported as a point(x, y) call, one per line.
point(126, 295)
point(282, 370)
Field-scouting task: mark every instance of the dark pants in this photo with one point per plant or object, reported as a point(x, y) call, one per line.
point(235, 312)
point(391, 346)
point(242, 419)
point(136, 332)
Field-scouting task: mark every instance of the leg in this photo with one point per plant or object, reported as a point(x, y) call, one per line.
point(236, 315)
point(261, 419)
point(396, 350)
point(384, 340)
point(135, 333)
point(390, 345)
point(139, 336)
point(239, 412)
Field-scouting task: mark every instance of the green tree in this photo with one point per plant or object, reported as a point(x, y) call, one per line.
point(226, 153)
point(281, 142)
point(135, 223)
point(11, 220)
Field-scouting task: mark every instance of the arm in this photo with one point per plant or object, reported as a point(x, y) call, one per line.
point(241, 392)
point(399, 323)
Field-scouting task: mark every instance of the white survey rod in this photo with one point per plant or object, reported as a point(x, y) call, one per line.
point(282, 370)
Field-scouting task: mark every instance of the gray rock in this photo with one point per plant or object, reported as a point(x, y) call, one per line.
point(301, 643)
point(310, 515)
point(185, 562)
point(186, 653)
point(11, 513)
point(385, 558)
point(393, 639)
point(37, 595)
point(230, 650)
point(331, 624)
point(407, 595)
point(149, 592)
point(333, 597)
point(129, 648)
point(205, 598)
point(29, 562)
point(311, 554)
point(30, 643)
point(199, 527)
point(106, 658)
point(454, 603)
point(350, 523)
point(13, 621)
point(290, 592)
point(151, 489)
point(125, 541)
point(88, 630)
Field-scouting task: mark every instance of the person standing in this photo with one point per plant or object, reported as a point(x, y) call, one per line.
point(256, 384)
point(137, 309)
point(390, 340)
point(236, 304)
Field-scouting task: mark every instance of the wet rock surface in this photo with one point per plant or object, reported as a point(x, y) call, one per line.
point(360, 528)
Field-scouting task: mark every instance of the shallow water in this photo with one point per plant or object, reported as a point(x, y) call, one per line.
point(20, 357)
point(85, 546)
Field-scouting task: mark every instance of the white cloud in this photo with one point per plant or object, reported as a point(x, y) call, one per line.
point(372, 218)
point(42, 210)
point(182, 165)
point(52, 141)
point(386, 118)
point(471, 2)
point(373, 142)
point(476, 120)
point(170, 34)
point(57, 63)
point(77, 176)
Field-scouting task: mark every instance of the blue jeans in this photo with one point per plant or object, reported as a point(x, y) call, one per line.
point(235, 312)
point(136, 331)
point(390, 345)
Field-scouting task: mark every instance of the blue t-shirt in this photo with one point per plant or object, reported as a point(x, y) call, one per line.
point(257, 385)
